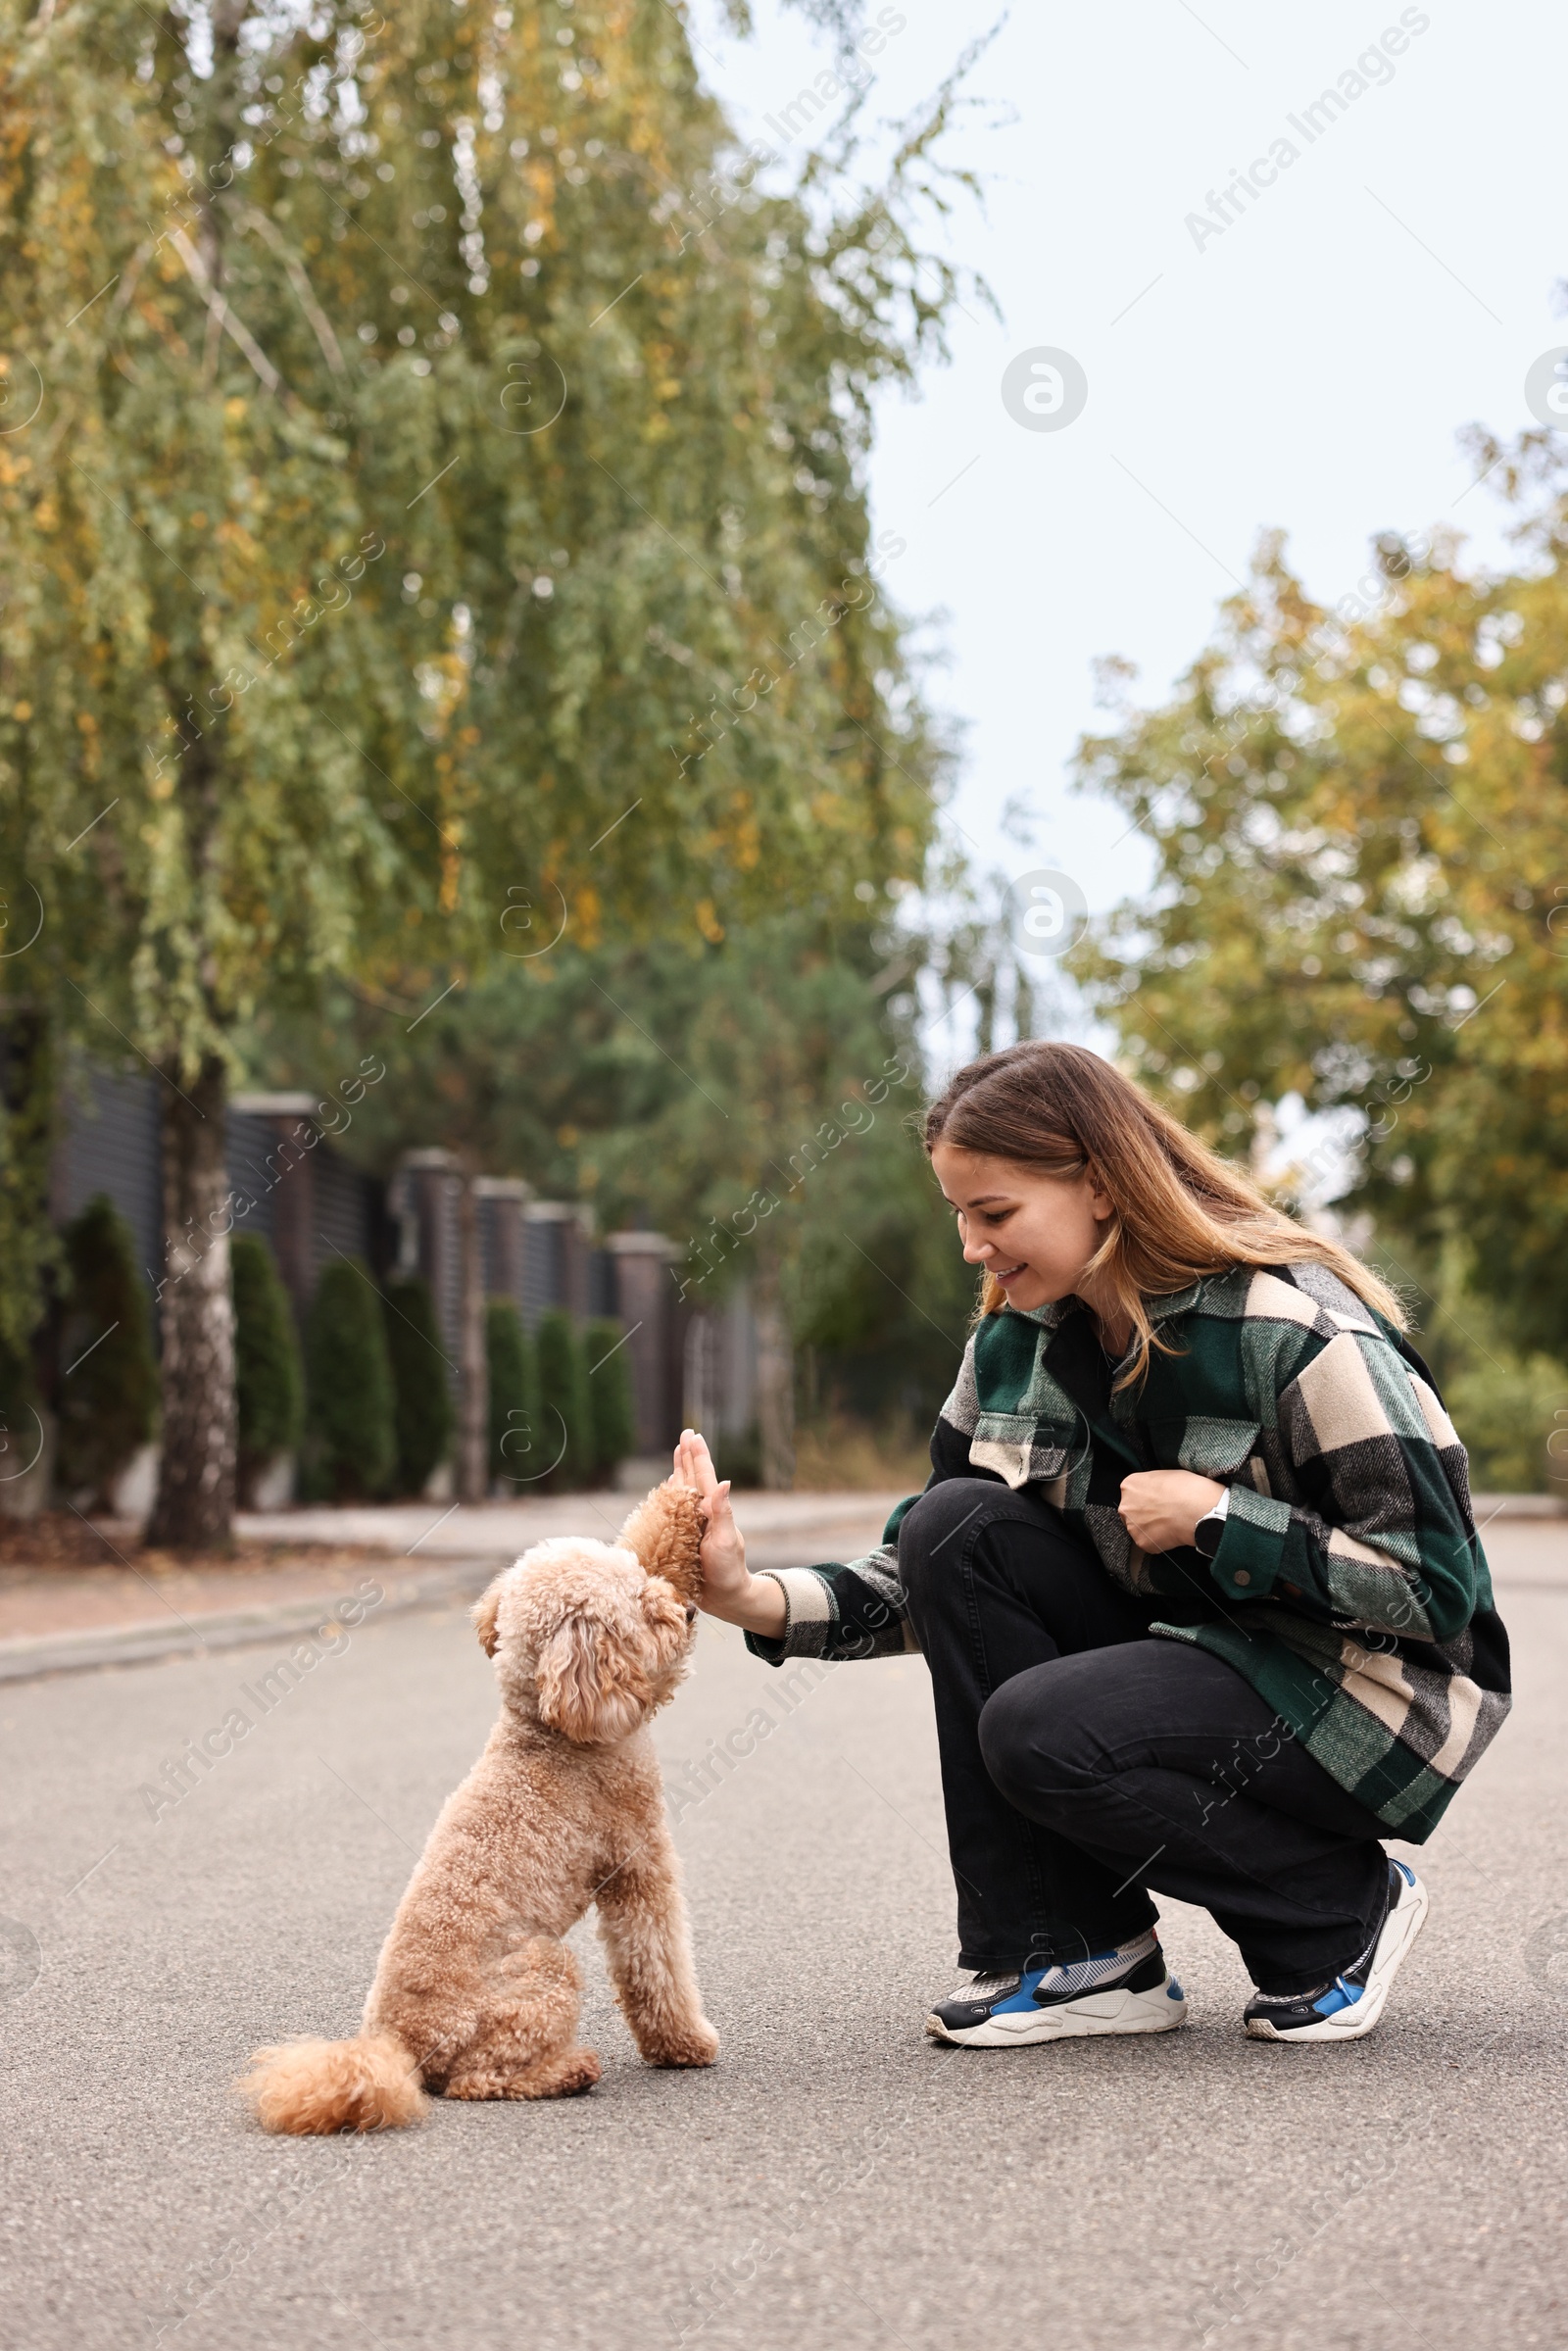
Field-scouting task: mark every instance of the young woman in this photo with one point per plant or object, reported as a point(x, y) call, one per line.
point(1195, 1575)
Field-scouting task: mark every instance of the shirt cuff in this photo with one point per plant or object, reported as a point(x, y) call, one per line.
point(1252, 1548)
point(808, 1612)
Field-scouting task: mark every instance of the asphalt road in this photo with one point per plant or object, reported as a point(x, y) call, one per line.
point(835, 2182)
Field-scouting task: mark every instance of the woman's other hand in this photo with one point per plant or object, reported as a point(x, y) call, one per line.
point(1160, 1507)
point(730, 1592)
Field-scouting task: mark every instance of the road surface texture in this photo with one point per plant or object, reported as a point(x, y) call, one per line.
point(835, 2181)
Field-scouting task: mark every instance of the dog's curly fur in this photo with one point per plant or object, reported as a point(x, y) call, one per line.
point(476, 1995)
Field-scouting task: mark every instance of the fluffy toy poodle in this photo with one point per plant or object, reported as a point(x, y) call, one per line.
point(476, 1995)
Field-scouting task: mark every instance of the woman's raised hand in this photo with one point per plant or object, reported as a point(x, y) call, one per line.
point(729, 1591)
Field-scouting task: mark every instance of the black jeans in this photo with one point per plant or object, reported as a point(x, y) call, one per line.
point(1083, 1762)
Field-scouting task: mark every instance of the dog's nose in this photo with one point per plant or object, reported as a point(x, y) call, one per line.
point(691, 1613)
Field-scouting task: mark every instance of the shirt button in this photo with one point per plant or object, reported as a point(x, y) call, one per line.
point(1241, 1576)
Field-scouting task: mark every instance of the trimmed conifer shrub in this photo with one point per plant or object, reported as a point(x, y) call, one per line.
point(350, 1446)
point(518, 1448)
point(609, 1396)
point(108, 1387)
point(18, 1401)
point(268, 1376)
point(565, 1415)
point(424, 1411)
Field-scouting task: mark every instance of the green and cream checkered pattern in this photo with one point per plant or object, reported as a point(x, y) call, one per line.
point(1349, 1588)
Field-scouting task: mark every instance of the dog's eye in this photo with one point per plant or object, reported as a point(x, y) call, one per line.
point(691, 1614)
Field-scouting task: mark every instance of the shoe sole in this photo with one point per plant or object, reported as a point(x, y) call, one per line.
point(1399, 1931)
point(1157, 2011)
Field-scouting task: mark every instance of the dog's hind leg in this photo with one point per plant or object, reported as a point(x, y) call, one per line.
point(524, 2039)
point(642, 1918)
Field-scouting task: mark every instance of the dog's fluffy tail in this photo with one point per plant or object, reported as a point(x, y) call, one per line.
point(369, 2084)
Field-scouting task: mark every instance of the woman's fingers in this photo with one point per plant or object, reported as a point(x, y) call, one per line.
point(698, 1464)
point(720, 1518)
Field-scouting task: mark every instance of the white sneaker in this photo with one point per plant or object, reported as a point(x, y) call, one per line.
point(1347, 2008)
point(1124, 1990)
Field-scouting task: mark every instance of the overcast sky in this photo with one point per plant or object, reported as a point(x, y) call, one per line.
point(1306, 362)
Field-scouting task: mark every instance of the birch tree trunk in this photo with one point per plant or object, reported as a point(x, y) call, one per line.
point(776, 1379)
point(194, 1509)
point(473, 1385)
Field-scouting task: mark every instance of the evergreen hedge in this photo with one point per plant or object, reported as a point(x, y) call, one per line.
point(566, 1412)
point(268, 1376)
point(108, 1390)
point(18, 1401)
point(351, 1441)
point(518, 1450)
point(424, 1412)
point(613, 1411)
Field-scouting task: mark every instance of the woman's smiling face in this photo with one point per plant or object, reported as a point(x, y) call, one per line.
point(1034, 1232)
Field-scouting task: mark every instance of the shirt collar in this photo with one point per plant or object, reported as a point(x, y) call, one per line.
point(1050, 1316)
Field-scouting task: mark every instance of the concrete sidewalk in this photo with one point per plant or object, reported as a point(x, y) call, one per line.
point(58, 1619)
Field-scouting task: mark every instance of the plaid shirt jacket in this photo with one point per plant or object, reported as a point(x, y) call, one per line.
point(1349, 1588)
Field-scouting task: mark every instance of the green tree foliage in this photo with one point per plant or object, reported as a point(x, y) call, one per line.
point(514, 1388)
point(351, 1434)
point(269, 1377)
point(1509, 1405)
point(565, 1408)
point(30, 1247)
point(424, 1414)
point(107, 1390)
point(611, 1408)
point(666, 1083)
point(1358, 819)
point(443, 455)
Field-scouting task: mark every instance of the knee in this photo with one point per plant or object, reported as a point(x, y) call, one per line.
point(1028, 1739)
point(931, 1534)
point(1009, 1731)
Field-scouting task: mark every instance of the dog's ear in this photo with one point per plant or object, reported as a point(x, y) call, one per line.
point(486, 1608)
point(666, 1532)
point(591, 1688)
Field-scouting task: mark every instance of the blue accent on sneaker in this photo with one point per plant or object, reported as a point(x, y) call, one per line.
point(1349, 2006)
point(1024, 1997)
point(1124, 1989)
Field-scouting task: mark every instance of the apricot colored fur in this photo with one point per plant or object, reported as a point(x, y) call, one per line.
point(476, 1994)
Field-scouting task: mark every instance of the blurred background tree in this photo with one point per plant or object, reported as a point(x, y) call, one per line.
point(1358, 819)
point(417, 520)
point(688, 1085)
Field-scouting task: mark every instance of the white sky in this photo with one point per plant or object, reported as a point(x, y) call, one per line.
point(1310, 368)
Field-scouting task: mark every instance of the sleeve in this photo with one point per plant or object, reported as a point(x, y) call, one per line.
point(1382, 1539)
point(858, 1609)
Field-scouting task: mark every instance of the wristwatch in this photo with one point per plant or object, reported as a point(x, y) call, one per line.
point(1211, 1527)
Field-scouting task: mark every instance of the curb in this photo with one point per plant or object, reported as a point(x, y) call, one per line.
point(37, 1655)
point(33, 1656)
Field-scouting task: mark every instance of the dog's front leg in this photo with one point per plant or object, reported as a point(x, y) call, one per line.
point(642, 1917)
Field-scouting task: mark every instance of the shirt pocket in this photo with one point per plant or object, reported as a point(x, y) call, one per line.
point(1212, 1447)
point(1025, 1450)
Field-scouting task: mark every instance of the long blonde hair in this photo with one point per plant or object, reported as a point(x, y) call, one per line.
point(1179, 1209)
